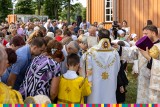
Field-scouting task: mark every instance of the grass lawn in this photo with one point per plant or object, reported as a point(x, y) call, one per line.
point(132, 87)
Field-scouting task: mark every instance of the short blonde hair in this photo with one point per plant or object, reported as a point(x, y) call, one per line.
point(34, 35)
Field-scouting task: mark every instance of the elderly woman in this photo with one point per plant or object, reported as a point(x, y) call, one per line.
point(12, 58)
point(7, 95)
point(43, 75)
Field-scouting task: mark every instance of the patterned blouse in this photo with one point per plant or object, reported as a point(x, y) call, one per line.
point(39, 76)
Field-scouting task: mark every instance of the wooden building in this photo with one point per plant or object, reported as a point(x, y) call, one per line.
point(135, 12)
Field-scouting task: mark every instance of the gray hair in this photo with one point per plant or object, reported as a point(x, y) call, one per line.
point(2, 52)
point(92, 28)
point(75, 44)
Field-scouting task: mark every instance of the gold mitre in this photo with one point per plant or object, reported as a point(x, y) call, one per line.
point(154, 52)
point(104, 44)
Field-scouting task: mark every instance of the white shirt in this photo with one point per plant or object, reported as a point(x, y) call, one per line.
point(65, 53)
point(70, 74)
point(45, 25)
point(87, 34)
point(60, 26)
point(82, 24)
point(74, 37)
point(63, 64)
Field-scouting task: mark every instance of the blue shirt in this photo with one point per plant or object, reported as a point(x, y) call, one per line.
point(19, 68)
point(5, 76)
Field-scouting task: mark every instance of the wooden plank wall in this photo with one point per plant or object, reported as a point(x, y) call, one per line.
point(108, 25)
point(97, 11)
point(137, 12)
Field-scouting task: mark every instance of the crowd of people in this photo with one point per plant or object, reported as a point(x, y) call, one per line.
point(54, 62)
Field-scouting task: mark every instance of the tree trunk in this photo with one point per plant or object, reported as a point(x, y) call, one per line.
point(39, 7)
point(52, 10)
point(56, 10)
point(69, 8)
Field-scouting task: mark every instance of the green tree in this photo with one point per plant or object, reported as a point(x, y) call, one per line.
point(75, 10)
point(53, 8)
point(39, 4)
point(69, 10)
point(68, 6)
point(84, 13)
point(25, 7)
point(4, 11)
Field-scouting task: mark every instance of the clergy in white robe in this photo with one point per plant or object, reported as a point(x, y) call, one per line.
point(154, 83)
point(102, 67)
point(149, 70)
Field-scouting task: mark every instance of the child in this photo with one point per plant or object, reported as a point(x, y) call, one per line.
point(134, 47)
point(73, 88)
point(135, 39)
point(122, 80)
point(121, 35)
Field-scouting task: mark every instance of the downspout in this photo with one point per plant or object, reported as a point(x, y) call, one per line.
point(89, 10)
point(115, 18)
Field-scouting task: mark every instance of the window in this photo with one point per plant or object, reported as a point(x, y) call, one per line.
point(108, 11)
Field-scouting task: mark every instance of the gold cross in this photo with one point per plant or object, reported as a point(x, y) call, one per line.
point(67, 90)
point(105, 75)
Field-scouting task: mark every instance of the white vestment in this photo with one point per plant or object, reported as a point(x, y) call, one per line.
point(148, 80)
point(105, 65)
point(92, 41)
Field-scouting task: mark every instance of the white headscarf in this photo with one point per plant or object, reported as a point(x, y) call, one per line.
point(120, 32)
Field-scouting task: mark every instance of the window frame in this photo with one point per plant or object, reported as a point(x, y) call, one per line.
point(110, 11)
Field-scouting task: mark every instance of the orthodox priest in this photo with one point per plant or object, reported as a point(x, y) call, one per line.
point(148, 66)
point(102, 63)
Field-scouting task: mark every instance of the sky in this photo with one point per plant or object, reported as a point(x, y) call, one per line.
point(81, 1)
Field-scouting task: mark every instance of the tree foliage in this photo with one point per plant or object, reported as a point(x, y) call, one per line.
point(38, 5)
point(55, 9)
point(75, 10)
point(63, 9)
point(4, 11)
point(25, 7)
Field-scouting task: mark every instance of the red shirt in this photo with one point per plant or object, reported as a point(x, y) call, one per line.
point(58, 38)
point(4, 42)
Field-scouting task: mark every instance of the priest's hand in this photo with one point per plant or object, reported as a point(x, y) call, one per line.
point(89, 73)
point(136, 75)
point(122, 89)
point(145, 53)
